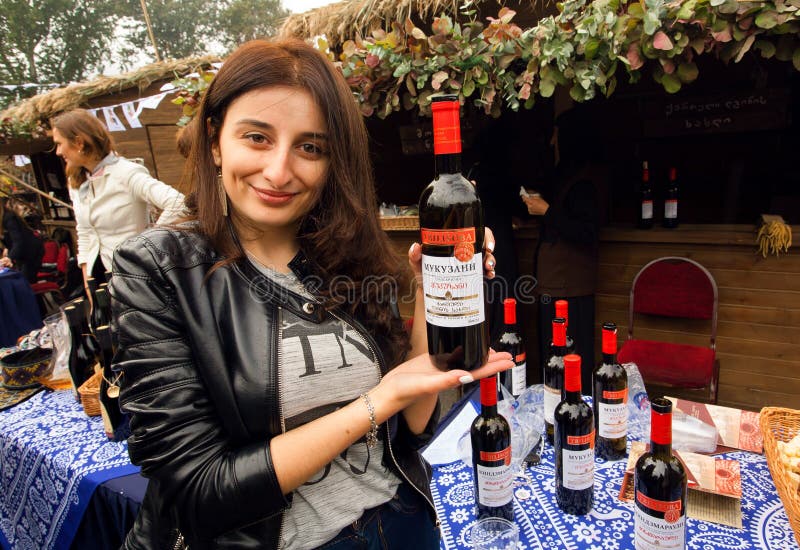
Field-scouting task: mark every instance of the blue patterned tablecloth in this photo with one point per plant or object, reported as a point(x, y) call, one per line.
point(52, 457)
point(609, 526)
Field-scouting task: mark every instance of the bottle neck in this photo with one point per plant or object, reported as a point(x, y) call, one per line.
point(448, 164)
point(488, 410)
point(559, 351)
point(609, 358)
point(572, 396)
point(660, 432)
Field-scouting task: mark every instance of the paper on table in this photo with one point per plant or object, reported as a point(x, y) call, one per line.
point(444, 448)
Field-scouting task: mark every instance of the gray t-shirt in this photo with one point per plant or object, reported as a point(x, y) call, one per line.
point(323, 367)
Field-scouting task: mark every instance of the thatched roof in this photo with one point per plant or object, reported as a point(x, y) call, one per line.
point(342, 20)
point(43, 106)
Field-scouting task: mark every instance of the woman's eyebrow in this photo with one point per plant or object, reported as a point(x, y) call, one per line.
point(267, 126)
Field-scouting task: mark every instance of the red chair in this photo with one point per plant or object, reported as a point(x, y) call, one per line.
point(49, 269)
point(678, 288)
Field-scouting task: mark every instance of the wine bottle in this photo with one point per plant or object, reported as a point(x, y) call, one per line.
point(671, 200)
point(554, 374)
point(91, 284)
point(83, 348)
point(660, 483)
point(645, 200)
point(113, 418)
point(610, 399)
point(574, 444)
point(451, 221)
point(101, 309)
point(491, 457)
point(562, 310)
point(510, 340)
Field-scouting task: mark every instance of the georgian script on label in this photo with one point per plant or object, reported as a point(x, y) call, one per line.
point(495, 485)
point(453, 290)
point(659, 534)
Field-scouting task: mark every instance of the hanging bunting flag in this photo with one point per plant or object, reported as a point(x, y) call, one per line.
point(112, 121)
point(21, 160)
point(153, 101)
point(132, 112)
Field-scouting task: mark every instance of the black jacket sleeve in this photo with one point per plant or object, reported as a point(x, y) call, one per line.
point(213, 484)
point(576, 219)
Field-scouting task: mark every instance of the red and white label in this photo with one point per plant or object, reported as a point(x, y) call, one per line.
point(497, 456)
point(495, 483)
point(621, 394)
point(453, 287)
point(448, 237)
point(587, 439)
point(671, 208)
point(578, 468)
point(647, 210)
point(612, 420)
point(656, 533)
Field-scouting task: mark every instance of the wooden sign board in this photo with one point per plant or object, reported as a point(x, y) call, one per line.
point(745, 111)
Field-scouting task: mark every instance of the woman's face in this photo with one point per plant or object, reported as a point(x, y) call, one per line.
point(68, 150)
point(273, 153)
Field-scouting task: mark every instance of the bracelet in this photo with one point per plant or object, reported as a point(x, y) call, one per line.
point(372, 434)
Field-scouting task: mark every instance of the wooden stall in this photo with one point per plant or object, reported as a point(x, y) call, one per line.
point(732, 134)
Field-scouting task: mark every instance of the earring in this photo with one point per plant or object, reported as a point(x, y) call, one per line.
point(223, 196)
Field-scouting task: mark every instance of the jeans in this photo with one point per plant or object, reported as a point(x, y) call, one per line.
point(402, 523)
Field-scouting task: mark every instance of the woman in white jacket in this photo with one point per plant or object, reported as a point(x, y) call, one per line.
point(109, 193)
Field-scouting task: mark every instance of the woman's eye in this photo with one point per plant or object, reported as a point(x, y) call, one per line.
point(312, 149)
point(256, 138)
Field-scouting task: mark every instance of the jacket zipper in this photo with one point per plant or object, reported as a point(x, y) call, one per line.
point(379, 362)
point(179, 542)
point(279, 348)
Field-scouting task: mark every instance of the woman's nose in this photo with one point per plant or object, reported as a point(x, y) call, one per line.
point(278, 167)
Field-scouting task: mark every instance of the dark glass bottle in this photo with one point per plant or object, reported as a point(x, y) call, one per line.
point(451, 222)
point(114, 421)
point(510, 340)
point(610, 399)
point(574, 444)
point(660, 483)
point(491, 457)
point(83, 353)
point(554, 374)
point(101, 309)
point(645, 200)
point(671, 200)
point(562, 310)
point(92, 283)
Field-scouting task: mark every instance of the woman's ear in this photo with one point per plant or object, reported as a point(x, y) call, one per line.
point(216, 155)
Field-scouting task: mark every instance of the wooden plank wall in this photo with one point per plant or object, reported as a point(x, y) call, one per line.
point(758, 335)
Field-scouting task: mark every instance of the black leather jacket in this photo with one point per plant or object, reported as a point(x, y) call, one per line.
point(198, 354)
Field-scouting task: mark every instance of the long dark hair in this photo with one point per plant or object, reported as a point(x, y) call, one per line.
point(341, 234)
point(97, 141)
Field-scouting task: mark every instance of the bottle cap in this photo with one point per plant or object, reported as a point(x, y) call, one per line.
point(661, 421)
point(559, 332)
point(645, 171)
point(489, 390)
point(609, 338)
point(673, 174)
point(446, 125)
point(510, 311)
point(572, 372)
point(562, 310)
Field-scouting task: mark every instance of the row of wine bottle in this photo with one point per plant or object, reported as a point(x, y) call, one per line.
point(646, 198)
point(92, 349)
point(452, 237)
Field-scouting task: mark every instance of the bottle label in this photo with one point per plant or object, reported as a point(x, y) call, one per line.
point(578, 468)
point(518, 380)
point(495, 483)
point(613, 419)
point(671, 208)
point(453, 288)
point(655, 533)
point(552, 397)
point(647, 210)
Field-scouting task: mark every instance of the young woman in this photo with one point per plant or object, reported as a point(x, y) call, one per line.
point(276, 400)
point(109, 193)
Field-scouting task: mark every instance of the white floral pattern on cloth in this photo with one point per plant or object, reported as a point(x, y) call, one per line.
point(52, 456)
point(609, 526)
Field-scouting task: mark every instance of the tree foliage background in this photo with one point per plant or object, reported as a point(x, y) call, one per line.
point(61, 41)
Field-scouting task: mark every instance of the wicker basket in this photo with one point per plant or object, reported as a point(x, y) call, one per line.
point(394, 223)
point(779, 424)
point(90, 394)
